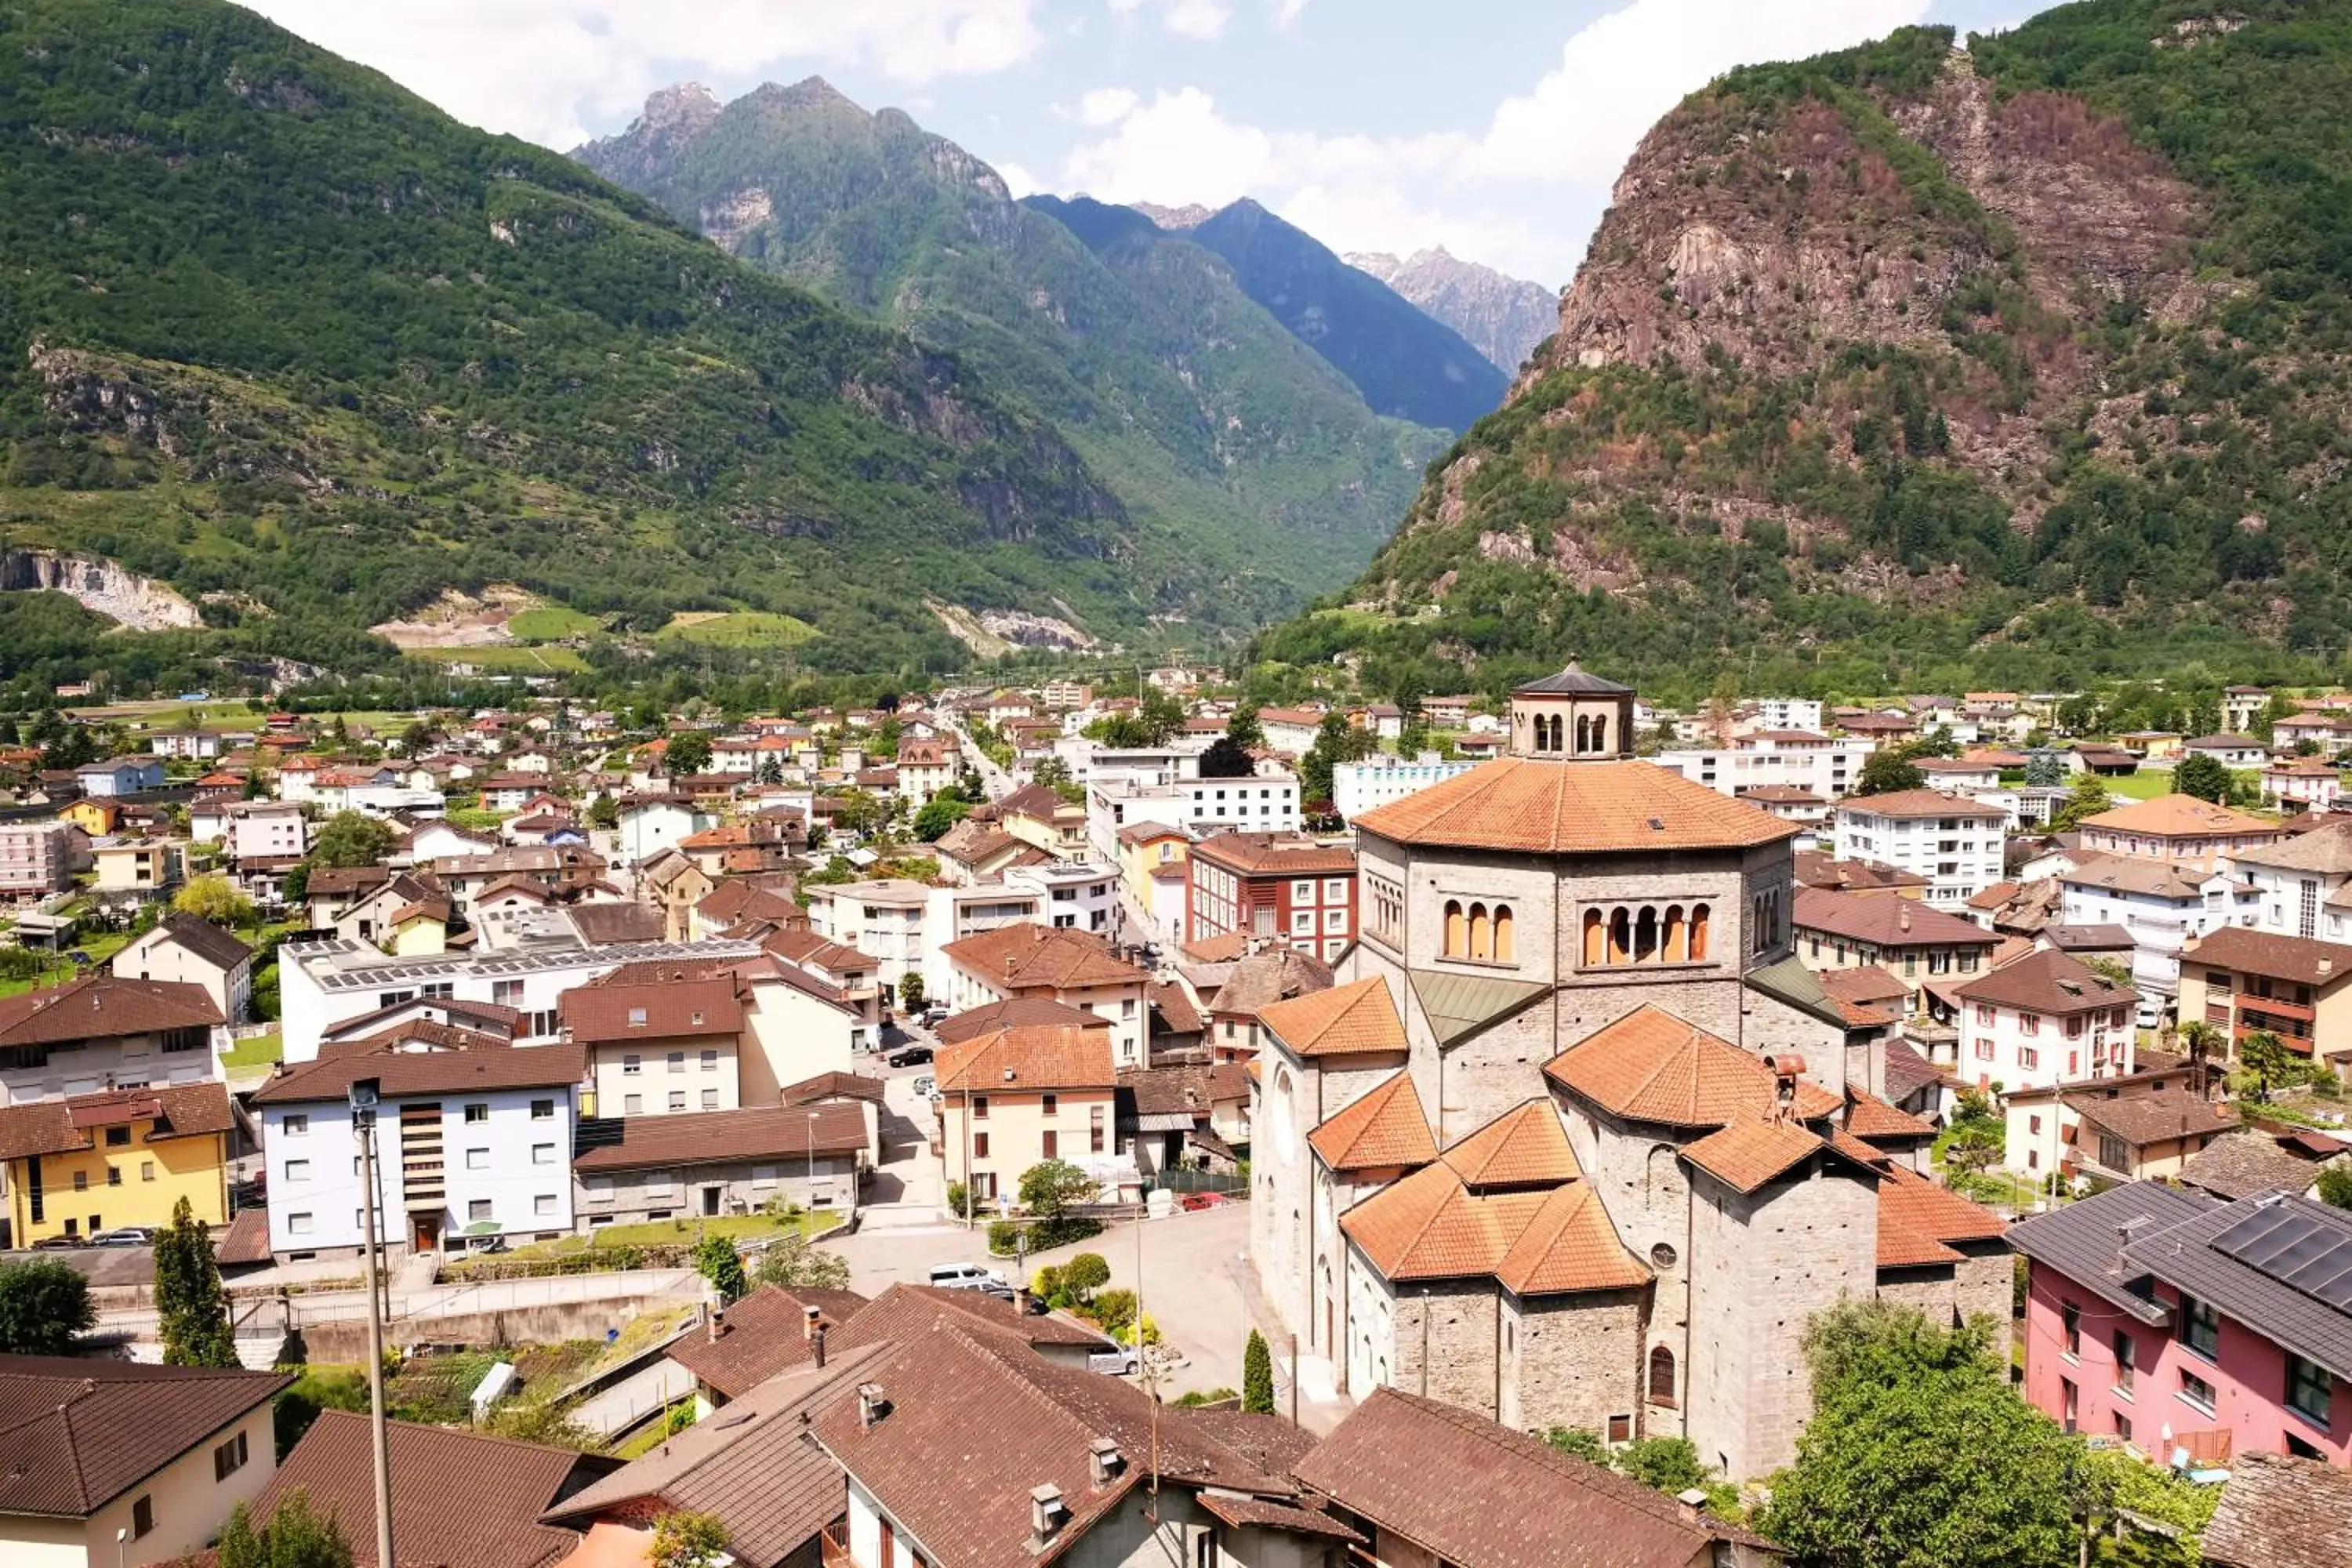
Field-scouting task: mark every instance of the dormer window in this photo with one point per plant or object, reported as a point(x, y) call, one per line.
point(637, 1019)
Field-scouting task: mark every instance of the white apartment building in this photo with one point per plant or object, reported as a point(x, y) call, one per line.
point(1955, 844)
point(103, 1032)
point(905, 926)
point(2297, 887)
point(2163, 904)
point(1357, 787)
point(1788, 713)
point(1262, 803)
point(473, 1142)
point(1077, 895)
point(2041, 1020)
point(323, 984)
point(35, 859)
point(267, 830)
point(1795, 759)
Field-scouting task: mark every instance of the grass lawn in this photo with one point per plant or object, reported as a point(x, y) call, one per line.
point(676, 1232)
point(507, 656)
point(262, 1050)
point(548, 622)
point(2144, 784)
point(99, 948)
point(744, 628)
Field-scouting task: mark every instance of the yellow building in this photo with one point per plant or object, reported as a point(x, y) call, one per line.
point(98, 1161)
point(1021, 1096)
point(139, 866)
point(1152, 858)
point(94, 817)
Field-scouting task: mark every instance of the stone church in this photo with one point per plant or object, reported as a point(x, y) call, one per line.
point(1577, 1141)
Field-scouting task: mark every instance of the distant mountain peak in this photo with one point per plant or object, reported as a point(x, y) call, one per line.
point(686, 105)
point(1178, 219)
point(1503, 317)
point(809, 93)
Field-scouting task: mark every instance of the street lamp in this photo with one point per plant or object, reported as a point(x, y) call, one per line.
point(364, 1095)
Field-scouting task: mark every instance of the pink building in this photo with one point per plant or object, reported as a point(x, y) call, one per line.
point(2176, 1321)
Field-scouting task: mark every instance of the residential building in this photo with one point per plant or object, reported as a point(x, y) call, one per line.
point(2163, 904)
point(1021, 1095)
point(2231, 750)
point(2043, 1019)
point(119, 776)
point(657, 1047)
point(103, 1032)
point(264, 834)
point(2241, 707)
point(1793, 759)
point(1260, 803)
point(905, 927)
point(1239, 991)
point(1155, 878)
point(1074, 968)
point(1919, 945)
point(2248, 1162)
point(2329, 733)
point(1790, 804)
point(2195, 834)
point(1358, 787)
point(851, 976)
point(35, 859)
point(117, 1464)
point(563, 868)
point(739, 1162)
point(2177, 1323)
point(2148, 1118)
point(652, 822)
point(925, 768)
point(2299, 885)
point(2303, 783)
point(135, 871)
point(2299, 989)
point(1266, 885)
point(474, 1138)
point(1788, 713)
point(769, 1334)
point(1955, 844)
point(125, 1156)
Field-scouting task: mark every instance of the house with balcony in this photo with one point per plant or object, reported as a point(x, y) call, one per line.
point(136, 870)
point(103, 1032)
point(1074, 968)
point(2147, 1125)
point(2300, 885)
point(2242, 981)
point(1955, 844)
point(2303, 783)
point(2163, 904)
point(1917, 944)
point(2177, 1323)
point(474, 1140)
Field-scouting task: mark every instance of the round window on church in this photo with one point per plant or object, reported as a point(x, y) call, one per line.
point(1663, 1255)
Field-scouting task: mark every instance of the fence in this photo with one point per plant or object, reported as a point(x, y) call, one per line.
point(1231, 1183)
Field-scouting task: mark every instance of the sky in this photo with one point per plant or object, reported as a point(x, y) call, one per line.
point(1493, 128)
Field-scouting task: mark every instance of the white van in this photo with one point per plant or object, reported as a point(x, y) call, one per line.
point(967, 1277)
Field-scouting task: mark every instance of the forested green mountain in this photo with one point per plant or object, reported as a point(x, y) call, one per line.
point(1904, 366)
point(277, 330)
point(1197, 409)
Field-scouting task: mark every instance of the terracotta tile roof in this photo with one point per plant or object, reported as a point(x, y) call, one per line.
point(1383, 1127)
point(504, 1487)
point(760, 1336)
point(1868, 1117)
point(1025, 956)
point(1864, 983)
point(482, 1018)
point(1650, 1065)
point(2280, 1511)
point(1748, 1155)
point(720, 1137)
point(1816, 869)
point(1909, 805)
point(2137, 874)
point(485, 1064)
point(1173, 1004)
point(1900, 1246)
point(1017, 1011)
point(610, 925)
point(1535, 1241)
point(2046, 981)
point(1569, 1246)
point(1025, 1059)
point(1523, 1147)
point(2180, 817)
point(1361, 1017)
point(904, 1311)
point(2141, 1120)
point(1465, 1491)
point(76, 1433)
point(101, 1006)
point(1267, 1514)
point(1275, 855)
point(1556, 809)
point(1885, 921)
point(59, 1126)
point(661, 1010)
point(832, 1086)
point(1924, 1208)
point(2275, 955)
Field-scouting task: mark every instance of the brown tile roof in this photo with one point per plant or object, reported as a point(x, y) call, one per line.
point(1748, 1155)
point(1264, 1513)
point(208, 941)
point(802, 946)
point(2241, 1163)
point(101, 1006)
point(1430, 1226)
point(832, 1086)
point(664, 1010)
point(2299, 960)
point(1346, 1019)
point(1914, 1210)
point(1522, 1147)
point(1178, 1015)
point(2135, 874)
point(904, 1311)
point(1910, 805)
point(1467, 1491)
point(1275, 855)
point(1816, 869)
point(504, 1487)
point(491, 1017)
point(2046, 981)
point(760, 1336)
point(1863, 982)
point(76, 1433)
point(58, 1126)
point(1020, 957)
point(1650, 1065)
point(2180, 817)
point(2280, 1511)
point(607, 925)
point(2140, 1120)
point(1556, 809)
point(1385, 1126)
point(722, 1137)
point(1884, 921)
point(1017, 1011)
point(1868, 1117)
point(1027, 1059)
point(482, 1066)
point(245, 1240)
point(1261, 979)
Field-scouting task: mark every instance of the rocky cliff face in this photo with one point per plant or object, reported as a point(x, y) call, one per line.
point(141, 603)
point(1504, 318)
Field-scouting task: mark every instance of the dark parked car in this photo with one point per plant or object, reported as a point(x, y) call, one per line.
point(909, 1056)
point(58, 1243)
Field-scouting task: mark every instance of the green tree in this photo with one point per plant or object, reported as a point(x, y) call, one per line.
point(1084, 1275)
point(688, 752)
point(2085, 799)
point(2204, 1043)
point(191, 1306)
point(1918, 1455)
point(2202, 776)
point(1886, 773)
point(44, 1306)
point(939, 814)
point(1584, 1444)
point(352, 838)
point(1336, 741)
point(1257, 1375)
point(1052, 1186)
point(790, 1260)
point(1664, 1463)
point(297, 1536)
point(716, 1258)
point(911, 992)
point(315, 1390)
point(686, 1539)
point(2335, 1187)
point(2267, 1057)
point(2045, 771)
point(1244, 729)
point(604, 811)
point(215, 898)
point(1225, 759)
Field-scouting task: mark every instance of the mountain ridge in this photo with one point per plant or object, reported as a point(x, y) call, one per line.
point(1504, 318)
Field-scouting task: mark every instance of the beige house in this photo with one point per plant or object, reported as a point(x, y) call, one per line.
point(137, 867)
point(2177, 827)
point(1074, 968)
point(1023, 1095)
point(115, 1464)
point(193, 952)
point(2299, 989)
point(1916, 944)
point(657, 1047)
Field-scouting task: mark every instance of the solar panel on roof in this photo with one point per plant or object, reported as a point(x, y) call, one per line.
point(2299, 1250)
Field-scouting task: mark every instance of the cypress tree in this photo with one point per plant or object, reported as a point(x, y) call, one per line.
point(1257, 1376)
point(190, 1304)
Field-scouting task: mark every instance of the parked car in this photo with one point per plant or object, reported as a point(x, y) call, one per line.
point(124, 1236)
point(969, 1277)
point(934, 1016)
point(909, 1056)
point(1118, 1361)
point(926, 1086)
point(58, 1243)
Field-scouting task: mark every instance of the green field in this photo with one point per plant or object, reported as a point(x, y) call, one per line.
point(552, 623)
point(507, 656)
point(262, 1050)
point(744, 628)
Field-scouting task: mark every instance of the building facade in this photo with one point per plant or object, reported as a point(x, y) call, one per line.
point(1955, 844)
point(1261, 885)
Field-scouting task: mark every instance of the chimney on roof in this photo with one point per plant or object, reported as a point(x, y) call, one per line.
point(1692, 1505)
point(1785, 1069)
point(1046, 1513)
point(812, 1320)
point(1104, 1461)
point(717, 1324)
point(871, 1406)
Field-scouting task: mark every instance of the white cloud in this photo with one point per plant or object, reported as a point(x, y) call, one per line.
point(549, 69)
point(1107, 105)
point(1018, 181)
point(1203, 21)
point(1285, 12)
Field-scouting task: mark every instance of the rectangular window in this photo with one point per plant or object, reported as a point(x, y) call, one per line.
point(709, 1100)
point(81, 1180)
point(478, 1159)
point(980, 1145)
point(2196, 1391)
point(1051, 1143)
point(2308, 1389)
point(677, 1100)
point(542, 1153)
point(117, 1137)
point(294, 1126)
point(762, 1176)
point(298, 1224)
point(2030, 1023)
point(478, 1208)
point(478, 1112)
point(710, 1060)
point(543, 1205)
point(2126, 1362)
point(229, 1458)
point(2070, 1321)
point(678, 1061)
point(542, 1111)
point(298, 1170)
point(1095, 1129)
point(980, 1108)
point(633, 1105)
point(1049, 1103)
point(2200, 1328)
point(146, 1170)
point(631, 1066)
point(2028, 1058)
point(142, 1518)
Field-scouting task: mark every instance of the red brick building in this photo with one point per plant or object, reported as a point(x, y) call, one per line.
point(1273, 885)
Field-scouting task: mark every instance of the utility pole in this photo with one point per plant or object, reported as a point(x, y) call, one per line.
point(364, 1097)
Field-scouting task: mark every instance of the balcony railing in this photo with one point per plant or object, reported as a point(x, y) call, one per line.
point(834, 1545)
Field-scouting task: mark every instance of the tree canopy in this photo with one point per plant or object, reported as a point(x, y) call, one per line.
point(45, 1306)
point(352, 838)
point(1887, 772)
point(189, 1302)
